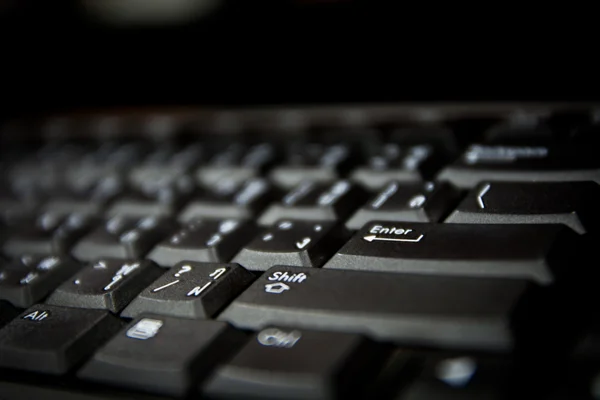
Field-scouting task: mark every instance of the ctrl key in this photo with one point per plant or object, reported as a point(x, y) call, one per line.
point(51, 339)
point(285, 363)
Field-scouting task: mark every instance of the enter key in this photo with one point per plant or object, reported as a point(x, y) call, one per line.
point(540, 253)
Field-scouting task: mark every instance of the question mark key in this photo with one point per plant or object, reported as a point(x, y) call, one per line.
point(191, 290)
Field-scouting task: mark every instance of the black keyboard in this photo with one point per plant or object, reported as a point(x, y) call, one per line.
point(405, 253)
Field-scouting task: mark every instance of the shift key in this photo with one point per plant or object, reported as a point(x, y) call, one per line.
point(440, 311)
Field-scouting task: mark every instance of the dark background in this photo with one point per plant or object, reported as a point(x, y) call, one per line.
point(250, 53)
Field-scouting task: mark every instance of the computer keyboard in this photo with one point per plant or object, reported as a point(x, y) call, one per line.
point(403, 258)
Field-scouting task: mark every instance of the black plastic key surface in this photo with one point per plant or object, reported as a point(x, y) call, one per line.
point(165, 167)
point(427, 202)
point(230, 199)
point(26, 281)
point(162, 201)
point(52, 339)
point(291, 242)
point(191, 290)
point(7, 312)
point(521, 129)
point(392, 161)
point(108, 284)
point(11, 207)
point(284, 363)
point(122, 237)
point(574, 204)
point(460, 377)
point(426, 310)
point(162, 355)
point(48, 234)
point(237, 164)
point(541, 253)
point(534, 163)
point(85, 197)
point(204, 240)
point(317, 202)
point(313, 162)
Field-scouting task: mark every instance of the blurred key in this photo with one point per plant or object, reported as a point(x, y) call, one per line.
point(191, 290)
point(460, 377)
point(204, 240)
point(427, 202)
point(26, 281)
point(317, 202)
point(291, 242)
point(165, 166)
point(53, 340)
point(230, 199)
point(280, 363)
point(237, 164)
point(542, 253)
point(122, 237)
point(48, 234)
point(520, 129)
point(154, 200)
point(163, 355)
point(410, 163)
point(12, 207)
point(574, 204)
point(521, 163)
point(312, 162)
point(108, 284)
point(441, 138)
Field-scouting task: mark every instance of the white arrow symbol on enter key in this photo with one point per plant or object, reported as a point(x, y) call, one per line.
point(370, 238)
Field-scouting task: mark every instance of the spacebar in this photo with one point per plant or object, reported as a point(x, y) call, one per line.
point(446, 311)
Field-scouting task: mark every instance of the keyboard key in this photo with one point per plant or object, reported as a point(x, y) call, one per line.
point(521, 130)
point(537, 163)
point(204, 240)
point(64, 205)
point(282, 363)
point(162, 354)
point(108, 284)
point(406, 202)
point(440, 138)
point(48, 234)
point(191, 290)
point(313, 162)
point(29, 279)
point(236, 164)
point(7, 313)
point(469, 313)
point(164, 168)
point(291, 242)
point(95, 179)
point(89, 198)
point(460, 377)
point(537, 252)
point(15, 208)
point(122, 237)
point(52, 340)
point(407, 164)
point(163, 202)
point(571, 203)
point(316, 202)
point(230, 200)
